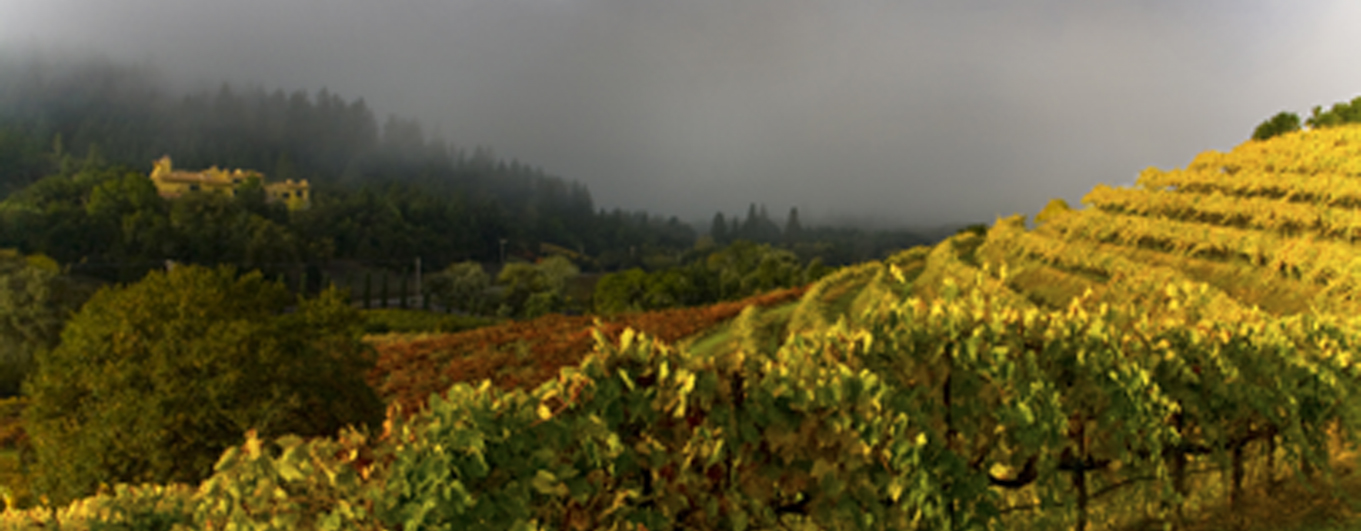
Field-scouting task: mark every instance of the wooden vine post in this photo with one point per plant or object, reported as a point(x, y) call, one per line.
point(1271, 463)
point(1080, 472)
point(383, 291)
point(949, 490)
point(1236, 489)
point(1179, 462)
point(368, 290)
point(403, 290)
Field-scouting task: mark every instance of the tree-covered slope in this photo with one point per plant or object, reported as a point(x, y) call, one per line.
point(1169, 348)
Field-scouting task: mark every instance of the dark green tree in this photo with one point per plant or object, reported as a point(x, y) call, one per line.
point(718, 229)
point(792, 228)
point(1338, 114)
point(35, 301)
point(154, 380)
point(531, 290)
point(462, 286)
point(1282, 123)
point(24, 159)
point(815, 270)
point(620, 292)
point(751, 226)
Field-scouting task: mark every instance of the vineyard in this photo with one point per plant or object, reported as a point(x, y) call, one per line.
point(526, 354)
point(1172, 348)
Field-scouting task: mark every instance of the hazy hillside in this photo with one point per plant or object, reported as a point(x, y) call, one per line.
point(1172, 348)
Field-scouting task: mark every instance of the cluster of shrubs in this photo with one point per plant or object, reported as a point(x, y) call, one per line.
point(150, 382)
point(1288, 122)
point(740, 270)
point(521, 289)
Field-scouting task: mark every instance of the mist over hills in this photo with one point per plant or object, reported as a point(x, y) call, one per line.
point(386, 191)
point(133, 113)
point(924, 113)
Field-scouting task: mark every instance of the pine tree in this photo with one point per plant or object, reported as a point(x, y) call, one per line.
point(719, 229)
point(751, 227)
point(792, 228)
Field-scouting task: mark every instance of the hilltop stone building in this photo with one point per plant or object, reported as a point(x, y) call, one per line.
point(172, 183)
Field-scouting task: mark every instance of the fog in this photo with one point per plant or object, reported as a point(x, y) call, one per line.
point(905, 112)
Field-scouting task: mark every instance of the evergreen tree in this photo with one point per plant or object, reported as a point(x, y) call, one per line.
point(792, 228)
point(719, 229)
point(751, 226)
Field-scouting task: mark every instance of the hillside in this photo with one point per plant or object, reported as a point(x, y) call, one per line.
point(1170, 349)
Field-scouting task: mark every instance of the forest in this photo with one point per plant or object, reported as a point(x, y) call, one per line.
point(77, 141)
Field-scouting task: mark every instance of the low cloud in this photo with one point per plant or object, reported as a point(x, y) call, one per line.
point(917, 112)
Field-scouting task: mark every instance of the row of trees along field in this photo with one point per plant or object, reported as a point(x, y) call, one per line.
point(706, 276)
point(703, 275)
point(1340, 113)
point(832, 245)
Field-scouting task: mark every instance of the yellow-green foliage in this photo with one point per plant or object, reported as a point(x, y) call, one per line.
point(821, 303)
point(279, 485)
point(908, 257)
point(837, 294)
point(891, 281)
point(1125, 354)
point(1251, 286)
point(947, 271)
point(881, 290)
point(1269, 224)
point(1048, 286)
point(290, 484)
point(848, 419)
point(1055, 209)
point(144, 507)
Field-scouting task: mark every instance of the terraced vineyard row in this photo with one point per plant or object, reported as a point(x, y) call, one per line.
point(1255, 213)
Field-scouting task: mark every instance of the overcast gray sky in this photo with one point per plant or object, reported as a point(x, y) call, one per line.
point(921, 112)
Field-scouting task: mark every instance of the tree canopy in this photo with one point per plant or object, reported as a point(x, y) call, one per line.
point(739, 270)
point(1346, 112)
point(1340, 113)
point(35, 301)
point(1282, 123)
point(153, 380)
